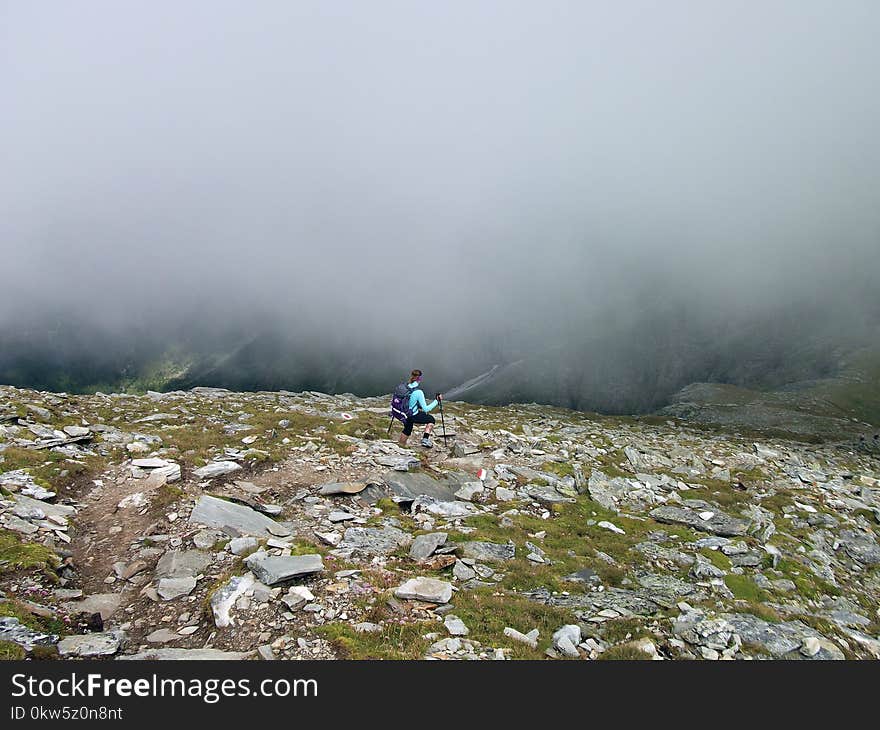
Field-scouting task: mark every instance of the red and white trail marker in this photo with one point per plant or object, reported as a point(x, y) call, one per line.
point(482, 474)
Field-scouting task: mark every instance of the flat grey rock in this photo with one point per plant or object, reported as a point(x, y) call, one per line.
point(105, 604)
point(718, 523)
point(214, 512)
point(429, 590)
point(242, 545)
point(272, 569)
point(469, 490)
point(375, 540)
point(491, 551)
point(50, 510)
point(607, 491)
point(162, 636)
point(407, 486)
point(546, 494)
point(860, 547)
point(445, 509)
point(205, 539)
point(90, 645)
point(182, 564)
point(171, 588)
point(423, 546)
point(455, 626)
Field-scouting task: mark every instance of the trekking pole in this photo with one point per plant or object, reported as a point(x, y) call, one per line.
point(391, 423)
point(442, 420)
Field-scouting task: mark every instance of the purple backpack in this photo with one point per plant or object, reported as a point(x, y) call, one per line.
point(400, 402)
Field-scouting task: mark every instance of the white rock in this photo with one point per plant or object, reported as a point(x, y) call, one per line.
point(429, 590)
point(226, 596)
point(614, 528)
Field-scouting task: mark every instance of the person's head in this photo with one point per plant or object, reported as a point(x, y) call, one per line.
point(415, 376)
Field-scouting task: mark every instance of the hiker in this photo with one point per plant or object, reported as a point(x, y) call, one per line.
point(417, 411)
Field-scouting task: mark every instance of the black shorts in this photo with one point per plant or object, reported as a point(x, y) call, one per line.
point(420, 417)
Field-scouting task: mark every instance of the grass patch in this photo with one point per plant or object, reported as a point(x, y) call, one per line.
point(717, 558)
point(559, 468)
point(624, 652)
point(486, 613)
point(49, 469)
point(623, 629)
point(167, 495)
point(721, 493)
point(393, 642)
point(760, 610)
point(744, 588)
point(807, 583)
point(18, 555)
point(10, 651)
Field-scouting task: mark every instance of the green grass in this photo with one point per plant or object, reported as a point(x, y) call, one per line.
point(717, 558)
point(487, 612)
point(166, 495)
point(559, 468)
point(760, 610)
point(10, 651)
point(16, 555)
point(623, 629)
point(570, 544)
point(624, 652)
point(395, 641)
point(744, 588)
point(806, 582)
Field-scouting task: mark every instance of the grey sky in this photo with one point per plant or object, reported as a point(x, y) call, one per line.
point(532, 165)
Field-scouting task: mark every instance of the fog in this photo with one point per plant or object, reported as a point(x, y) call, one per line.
point(614, 190)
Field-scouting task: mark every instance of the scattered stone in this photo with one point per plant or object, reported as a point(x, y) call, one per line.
point(530, 639)
point(343, 488)
point(162, 636)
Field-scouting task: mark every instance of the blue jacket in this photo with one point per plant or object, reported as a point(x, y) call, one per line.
point(417, 400)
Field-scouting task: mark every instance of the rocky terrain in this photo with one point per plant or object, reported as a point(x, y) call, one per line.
point(278, 525)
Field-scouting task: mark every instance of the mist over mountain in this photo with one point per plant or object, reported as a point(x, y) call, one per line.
point(608, 204)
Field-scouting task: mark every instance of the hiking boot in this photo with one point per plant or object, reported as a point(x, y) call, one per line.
point(426, 442)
